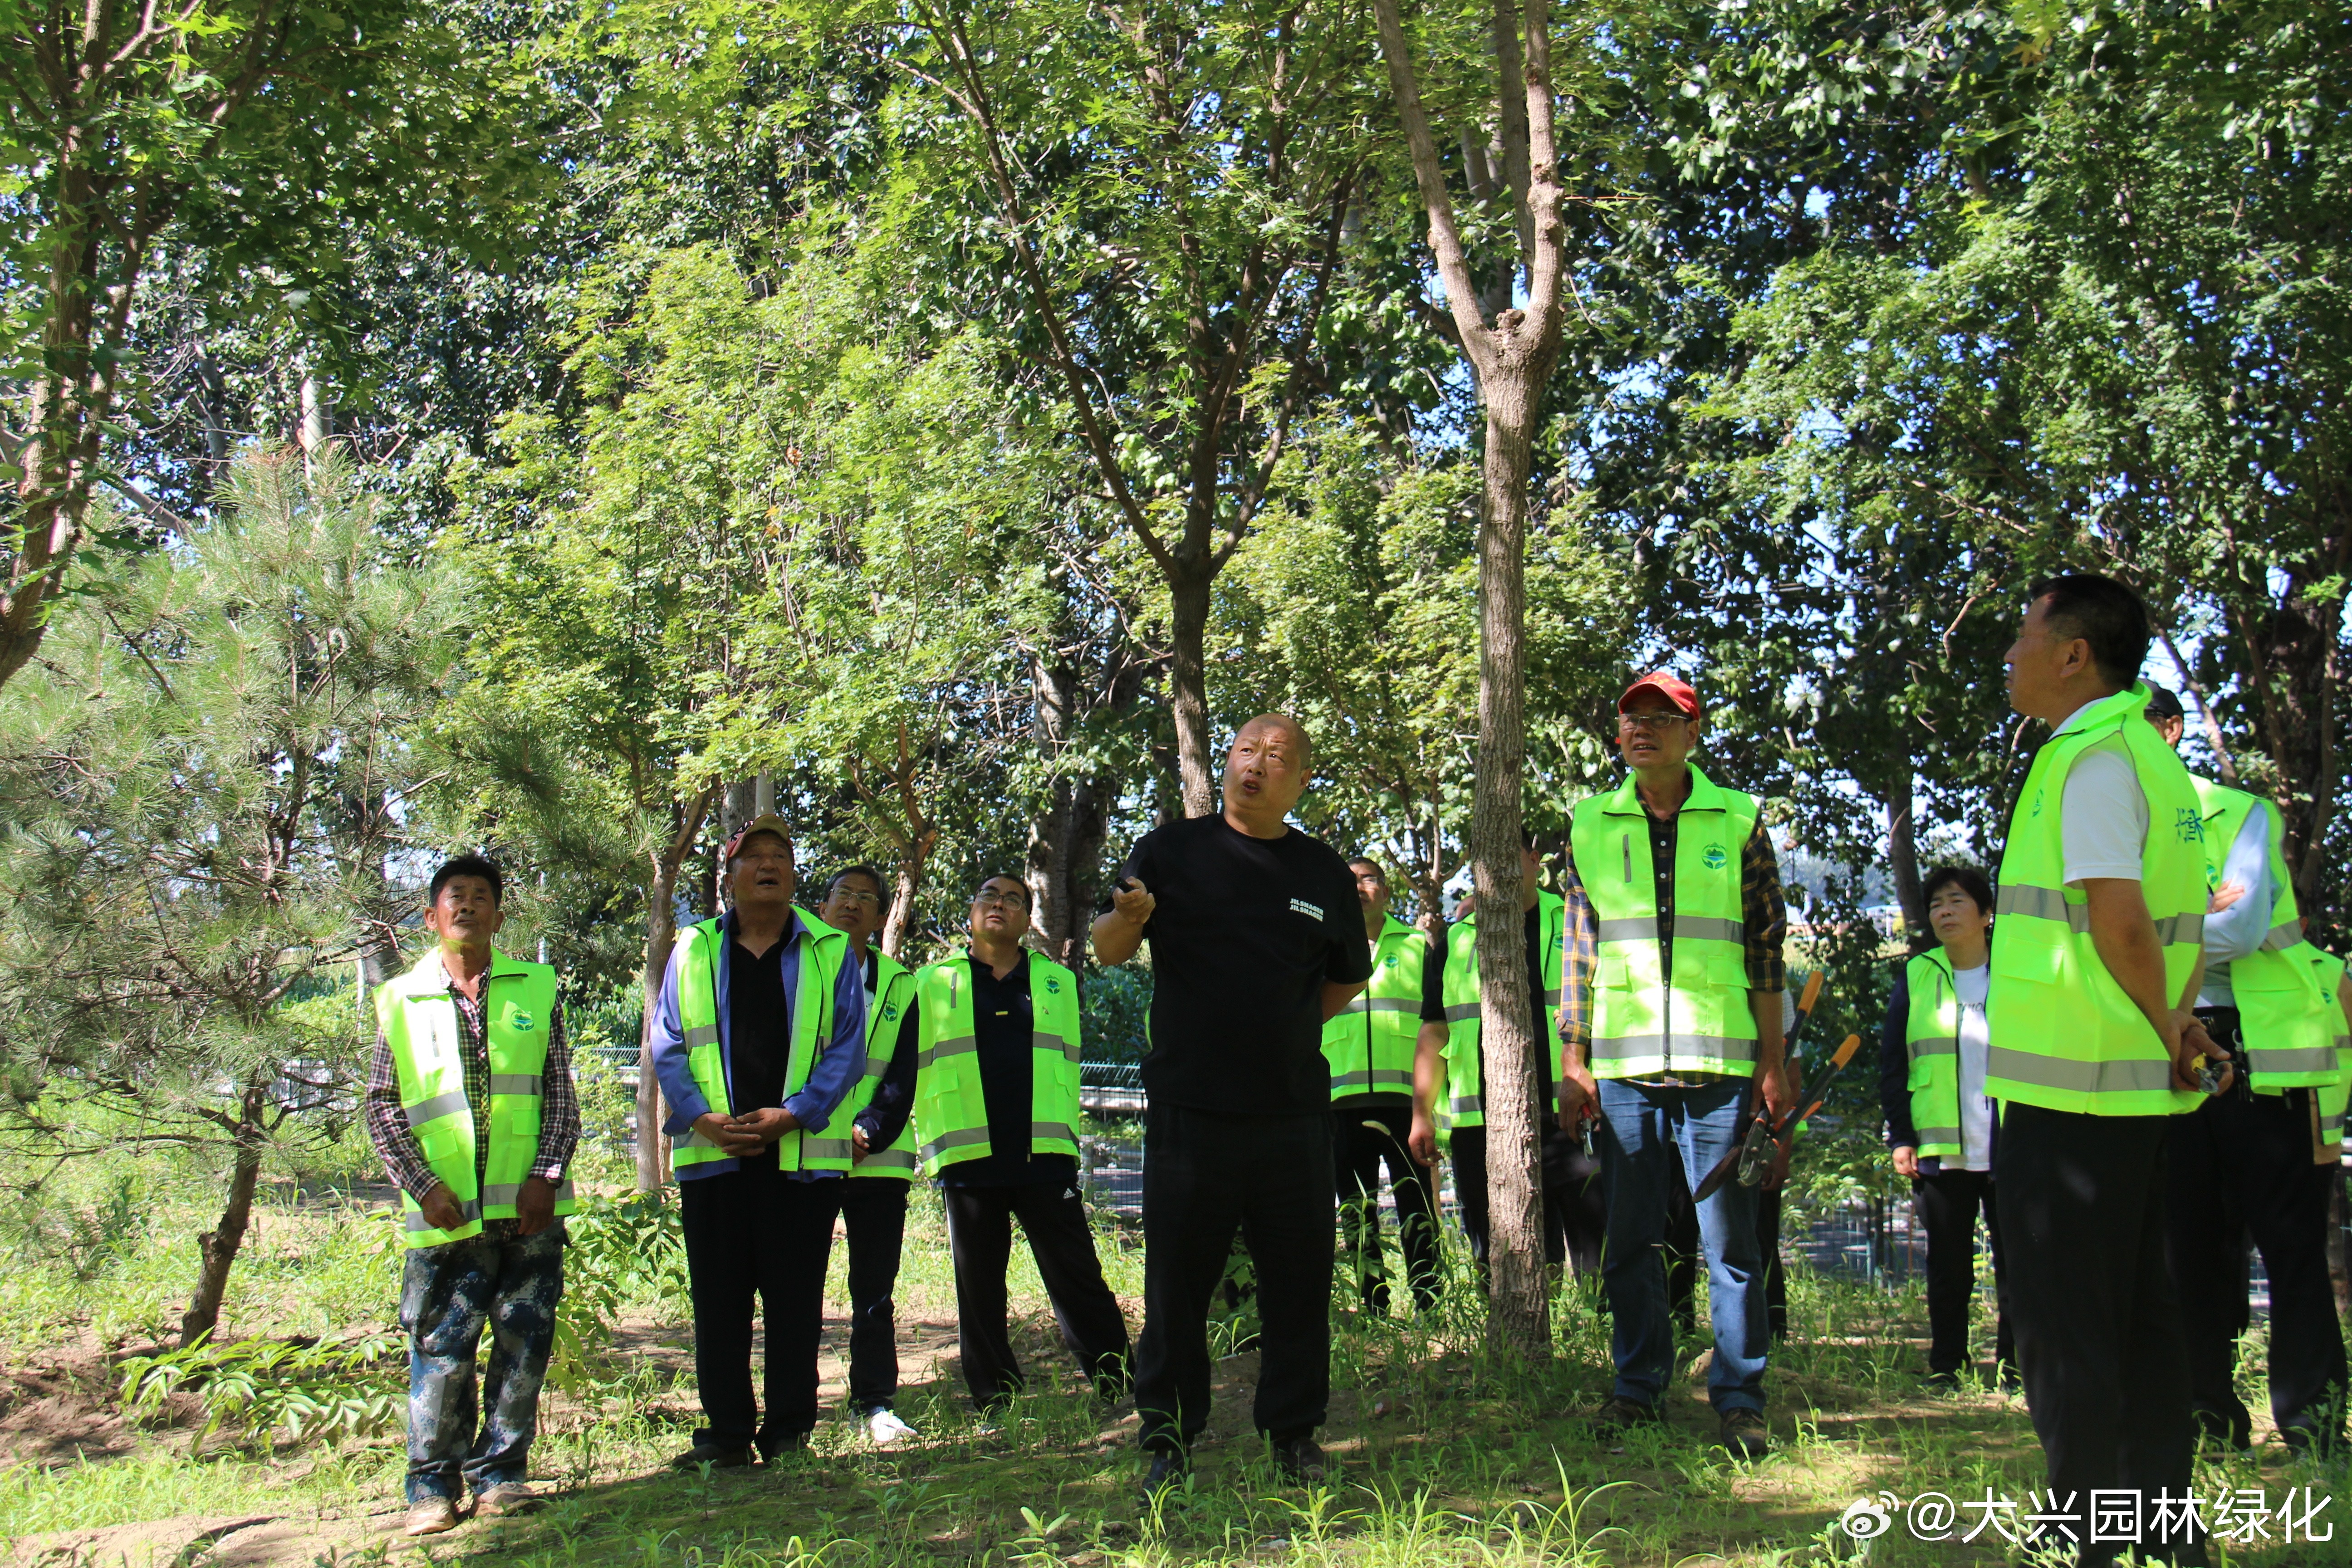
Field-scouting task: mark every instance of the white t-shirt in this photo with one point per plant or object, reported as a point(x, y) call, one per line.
point(1970, 986)
point(2104, 815)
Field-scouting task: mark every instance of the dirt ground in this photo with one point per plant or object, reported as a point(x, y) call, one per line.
point(57, 1414)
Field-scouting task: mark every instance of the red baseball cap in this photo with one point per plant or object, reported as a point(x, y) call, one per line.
point(1675, 691)
point(768, 822)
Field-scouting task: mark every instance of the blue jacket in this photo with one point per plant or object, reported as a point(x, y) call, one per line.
point(840, 1063)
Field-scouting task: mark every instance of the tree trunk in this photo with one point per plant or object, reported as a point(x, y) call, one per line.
point(1520, 1310)
point(906, 886)
point(217, 1247)
point(1903, 862)
point(2288, 666)
point(661, 934)
point(72, 397)
point(1188, 689)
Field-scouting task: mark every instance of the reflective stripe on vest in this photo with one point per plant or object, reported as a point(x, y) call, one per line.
point(419, 1018)
point(698, 955)
point(1700, 1018)
point(2064, 1035)
point(1465, 1067)
point(2287, 1020)
point(1368, 1043)
point(894, 993)
point(950, 1104)
point(1932, 1036)
point(2329, 970)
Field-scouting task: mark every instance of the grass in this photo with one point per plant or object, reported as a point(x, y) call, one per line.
point(1448, 1454)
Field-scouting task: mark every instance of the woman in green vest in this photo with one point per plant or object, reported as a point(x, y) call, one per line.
point(880, 1108)
point(1932, 1053)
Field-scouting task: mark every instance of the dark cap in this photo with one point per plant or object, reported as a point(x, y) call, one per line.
point(2162, 703)
point(1671, 686)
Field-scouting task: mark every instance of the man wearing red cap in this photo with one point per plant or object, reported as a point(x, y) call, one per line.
point(1670, 1026)
point(759, 1035)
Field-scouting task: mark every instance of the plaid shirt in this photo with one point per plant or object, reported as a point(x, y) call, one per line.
point(1763, 921)
point(387, 1123)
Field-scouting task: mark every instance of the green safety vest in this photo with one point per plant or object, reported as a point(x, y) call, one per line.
point(1368, 1043)
point(419, 1020)
point(2287, 1020)
point(894, 993)
point(1644, 1021)
point(823, 951)
point(1465, 1070)
point(948, 1099)
point(2329, 970)
point(1932, 1036)
point(2064, 1035)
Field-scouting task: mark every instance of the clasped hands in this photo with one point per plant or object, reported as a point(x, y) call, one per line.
point(746, 1132)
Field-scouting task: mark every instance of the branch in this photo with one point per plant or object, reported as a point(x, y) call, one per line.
point(1429, 174)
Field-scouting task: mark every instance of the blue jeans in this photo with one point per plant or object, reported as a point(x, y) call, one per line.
point(1641, 1130)
point(448, 1294)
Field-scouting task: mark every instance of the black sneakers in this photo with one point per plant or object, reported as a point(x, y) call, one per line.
point(1301, 1461)
point(1617, 1413)
point(1171, 1467)
point(718, 1456)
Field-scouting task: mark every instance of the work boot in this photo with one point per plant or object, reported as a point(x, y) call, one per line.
point(505, 1497)
point(1618, 1415)
point(775, 1448)
point(430, 1516)
point(1743, 1433)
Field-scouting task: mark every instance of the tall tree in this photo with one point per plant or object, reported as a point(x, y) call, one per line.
point(244, 128)
point(1511, 351)
point(183, 869)
point(1166, 190)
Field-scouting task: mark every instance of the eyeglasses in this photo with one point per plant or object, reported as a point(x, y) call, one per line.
point(1649, 718)
point(847, 896)
point(993, 899)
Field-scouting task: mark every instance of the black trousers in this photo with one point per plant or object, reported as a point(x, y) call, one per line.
point(1207, 1174)
point(980, 1238)
point(1949, 1202)
point(1358, 1149)
point(754, 1236)
point(874, 1216)
point(1575, 1217)
point(2243, 1161)
point(2098, 1329)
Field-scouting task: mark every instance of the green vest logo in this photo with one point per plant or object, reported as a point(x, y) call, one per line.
point(1714, 857)
point(1054, 984)
point(1391, 961)
point(520, 1020)
point(2188, 824)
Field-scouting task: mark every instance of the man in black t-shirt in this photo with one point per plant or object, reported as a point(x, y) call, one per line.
point(1256, 938)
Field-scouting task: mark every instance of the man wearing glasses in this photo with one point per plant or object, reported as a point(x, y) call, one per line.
point(994, 1033)
point(1670, 1022)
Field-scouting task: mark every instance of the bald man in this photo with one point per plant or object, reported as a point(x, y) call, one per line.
point(1256, 938)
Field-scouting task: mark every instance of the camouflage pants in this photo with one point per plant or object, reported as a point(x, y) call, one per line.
point(447, 1294)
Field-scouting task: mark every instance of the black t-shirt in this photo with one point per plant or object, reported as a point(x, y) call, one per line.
point(1005, 1041)
point(1433, 1001)
point(1244, 934)
point(759, 1035)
